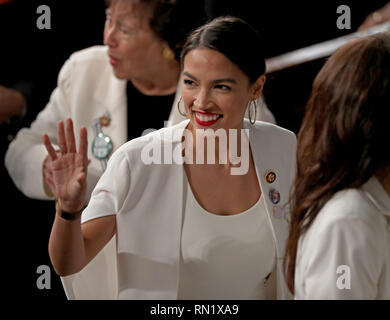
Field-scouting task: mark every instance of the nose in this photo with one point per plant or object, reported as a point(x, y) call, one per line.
point(202, 99)
point(109, 35)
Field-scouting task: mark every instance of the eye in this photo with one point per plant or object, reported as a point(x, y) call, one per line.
point(189, 82)
point(124, 30)
point(222, 87)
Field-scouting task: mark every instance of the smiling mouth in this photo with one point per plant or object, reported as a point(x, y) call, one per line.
point(207, 119)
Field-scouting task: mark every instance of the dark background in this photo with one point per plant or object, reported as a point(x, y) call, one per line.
point(33, 56)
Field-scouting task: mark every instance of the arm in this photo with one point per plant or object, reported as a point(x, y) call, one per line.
point(26, 153)
point(72, 246)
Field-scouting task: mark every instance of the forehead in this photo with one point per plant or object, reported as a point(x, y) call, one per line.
point(127, 10)
point(207, 63)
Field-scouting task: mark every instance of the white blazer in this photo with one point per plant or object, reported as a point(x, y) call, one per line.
point(86, 89)
point(142, 261)
point(346, 252)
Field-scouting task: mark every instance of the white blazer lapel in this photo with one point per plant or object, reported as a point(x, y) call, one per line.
point(272, 155)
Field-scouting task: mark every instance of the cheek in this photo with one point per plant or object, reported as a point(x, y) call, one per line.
point(232, 105)
point(188, 98)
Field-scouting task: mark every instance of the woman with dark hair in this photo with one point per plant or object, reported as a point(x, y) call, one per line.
point(185, 229)
point(338, 246)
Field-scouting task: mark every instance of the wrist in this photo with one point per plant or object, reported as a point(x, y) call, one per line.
point(69, 213)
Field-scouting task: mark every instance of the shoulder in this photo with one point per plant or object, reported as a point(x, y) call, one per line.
point(351, 204)
point(276, 139)
point(348, 220)
point(348, 215)
point(347, 231)
point(87, 61)
point(271, 131)
point(91, 54)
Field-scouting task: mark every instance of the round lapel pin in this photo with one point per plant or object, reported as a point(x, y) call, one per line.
point(101, 146)
point(274, 196)
point(270, 176)
point(105, 119)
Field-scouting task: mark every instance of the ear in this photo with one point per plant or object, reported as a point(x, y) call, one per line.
point(257, 87)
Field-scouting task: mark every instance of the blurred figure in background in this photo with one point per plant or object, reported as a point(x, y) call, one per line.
point(110, 89)
point(340, 214)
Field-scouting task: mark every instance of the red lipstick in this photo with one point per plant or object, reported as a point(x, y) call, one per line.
point(206, 123)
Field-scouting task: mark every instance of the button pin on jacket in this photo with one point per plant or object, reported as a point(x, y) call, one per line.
point(274, 196)
point(278, 212)
point(270, 176)
point(102, 143)
point(105, 119)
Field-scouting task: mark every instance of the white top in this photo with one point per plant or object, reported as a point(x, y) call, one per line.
point(148, 201)
point(224, 257)
point(346, 252)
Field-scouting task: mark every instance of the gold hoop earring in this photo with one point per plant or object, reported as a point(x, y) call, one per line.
point(178, 108)
point(250, 113)
point(168, 54)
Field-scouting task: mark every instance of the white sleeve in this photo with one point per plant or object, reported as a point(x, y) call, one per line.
point(111, 190)
point(26, 153)
point(343, 261)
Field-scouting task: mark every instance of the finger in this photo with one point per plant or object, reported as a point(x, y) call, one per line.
point(61, 137)
point(49, 147)
point(83, 147)
point(69, 134)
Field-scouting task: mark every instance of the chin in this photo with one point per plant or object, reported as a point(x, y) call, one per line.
point(119, 75)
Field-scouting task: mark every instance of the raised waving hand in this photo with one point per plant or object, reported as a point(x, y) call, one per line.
point(69, 167)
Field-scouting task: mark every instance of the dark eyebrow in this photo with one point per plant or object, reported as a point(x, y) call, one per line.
point(225, 80)
point(214, 81)
point(189, 76)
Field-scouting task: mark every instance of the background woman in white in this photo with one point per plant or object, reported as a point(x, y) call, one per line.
point(136, 71)
point(339, 242)
point(185, 231)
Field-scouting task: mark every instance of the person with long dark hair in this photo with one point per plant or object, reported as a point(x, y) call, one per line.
point(339, 241)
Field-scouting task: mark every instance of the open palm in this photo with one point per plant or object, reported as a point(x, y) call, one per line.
point(69, 168)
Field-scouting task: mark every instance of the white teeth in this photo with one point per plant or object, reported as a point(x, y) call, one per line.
point(205, 118)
